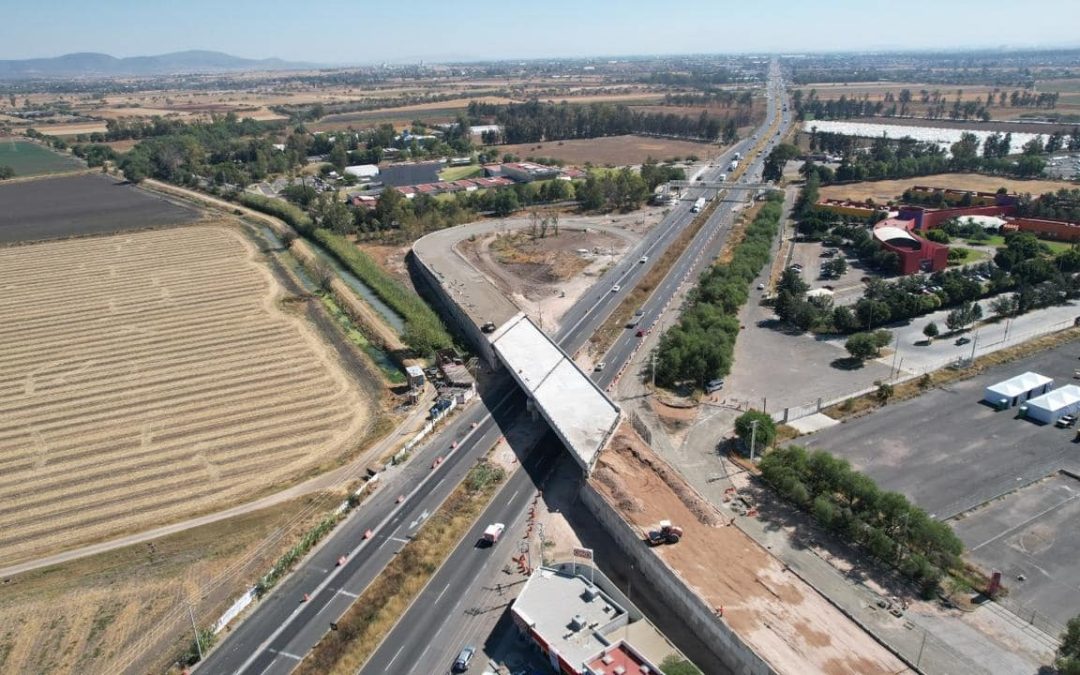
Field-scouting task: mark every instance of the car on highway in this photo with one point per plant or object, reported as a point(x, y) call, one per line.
point(960, 341)
point(615, 288)
point(598, 367)
point(761, 287)
point(643, 258)
point(640, 332)
point(464, 657)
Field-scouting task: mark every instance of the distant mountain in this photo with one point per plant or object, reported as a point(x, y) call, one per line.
point(89, 64)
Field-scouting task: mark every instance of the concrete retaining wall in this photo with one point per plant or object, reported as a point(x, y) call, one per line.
point(673, 591)
point(449, 309)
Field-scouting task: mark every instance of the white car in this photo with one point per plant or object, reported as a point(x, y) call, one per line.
point(761, 287)
point(642, 259)
point(615, 288)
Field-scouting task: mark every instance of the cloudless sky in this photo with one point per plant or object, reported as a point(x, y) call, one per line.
point(363, 31)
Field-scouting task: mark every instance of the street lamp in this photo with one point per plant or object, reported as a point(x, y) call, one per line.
point(753, 437)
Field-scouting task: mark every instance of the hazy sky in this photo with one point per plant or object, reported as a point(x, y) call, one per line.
point(361, 31)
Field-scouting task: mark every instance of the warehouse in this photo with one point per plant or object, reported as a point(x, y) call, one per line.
point(1052, 406)
point(1016, 390)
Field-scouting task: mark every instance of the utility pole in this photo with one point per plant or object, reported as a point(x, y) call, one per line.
point(198, 640)
point(753, 438)
point(974, 341)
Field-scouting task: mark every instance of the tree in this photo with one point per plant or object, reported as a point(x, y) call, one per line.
point(763, 436)
point(862, 346)
point(1004, 305)
point(6, 172)
point(505, 202)
point(930, 331)
point(1068, 653)
point(677, 665)
point(960, 317)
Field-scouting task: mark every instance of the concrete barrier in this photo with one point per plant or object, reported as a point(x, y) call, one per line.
point(673, 591)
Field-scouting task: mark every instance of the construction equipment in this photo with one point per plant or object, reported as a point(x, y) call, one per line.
point(666, 534)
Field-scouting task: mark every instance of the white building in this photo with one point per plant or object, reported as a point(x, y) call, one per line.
point(1016, 390)
point(363, 171)
point(1051, 406)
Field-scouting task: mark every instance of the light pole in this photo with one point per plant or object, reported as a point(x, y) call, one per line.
point(753, 437)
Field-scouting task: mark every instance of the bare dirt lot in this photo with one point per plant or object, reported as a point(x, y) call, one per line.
point(613, 150)
point(57, 208)
point(777, 614)
point(152, 376)
point(126, 610)
point(882, 191)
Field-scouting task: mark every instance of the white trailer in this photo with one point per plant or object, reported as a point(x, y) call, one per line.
point(698, 205)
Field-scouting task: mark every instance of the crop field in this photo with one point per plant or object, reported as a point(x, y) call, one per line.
point(148, 377)
point(882, 191)
point(614, 150)
point(71, 206)
point(31, 159)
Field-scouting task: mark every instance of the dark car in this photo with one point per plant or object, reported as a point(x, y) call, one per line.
point(962, 341)
point(640, 332)
point(461, 663)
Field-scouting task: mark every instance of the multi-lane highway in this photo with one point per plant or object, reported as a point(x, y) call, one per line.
point(435, 620)
point(284, 626)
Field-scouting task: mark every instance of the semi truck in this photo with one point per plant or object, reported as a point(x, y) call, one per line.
point(698, 205)
point(733, 165)
point(738, 156)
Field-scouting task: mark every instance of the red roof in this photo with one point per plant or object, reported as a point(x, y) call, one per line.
point(617, 655)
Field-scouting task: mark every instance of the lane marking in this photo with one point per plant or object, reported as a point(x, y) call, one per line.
point(439, 597)
point(396, 654)
point(508, 501)
point(345, 592)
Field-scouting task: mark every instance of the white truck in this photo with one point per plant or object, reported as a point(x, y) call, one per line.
point(698, 205)
point(733, 165)
point(738, 156)
point(492, 533)
point(722, 177)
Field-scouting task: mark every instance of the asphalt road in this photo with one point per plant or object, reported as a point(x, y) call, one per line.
point(284, 626)
point(434, 620)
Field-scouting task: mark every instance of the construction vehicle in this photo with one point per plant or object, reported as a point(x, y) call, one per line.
point(667, 534)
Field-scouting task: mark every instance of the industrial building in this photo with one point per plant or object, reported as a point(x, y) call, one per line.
point(582, 629)
point(915, 253)
point(1053, 405)
point(1016, 390)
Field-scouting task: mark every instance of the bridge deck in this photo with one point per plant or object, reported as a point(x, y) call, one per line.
point(579, 412)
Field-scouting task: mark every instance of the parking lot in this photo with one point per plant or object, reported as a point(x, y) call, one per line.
point(1032, 538)
point(1066, 167)
point(947, 451)
point(954, 457)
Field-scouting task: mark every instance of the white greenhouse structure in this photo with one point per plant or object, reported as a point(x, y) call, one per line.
point(1016, 390)
point(1050, 407)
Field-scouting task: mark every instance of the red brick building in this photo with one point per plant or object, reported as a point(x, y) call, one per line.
point(916, 254)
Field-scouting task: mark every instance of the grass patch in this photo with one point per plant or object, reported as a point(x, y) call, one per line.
point(460, 172)
point(424, 331)
point(854, 407)
point(378, 608)
point(386, 365)
point(970, 255)
point(32, 159)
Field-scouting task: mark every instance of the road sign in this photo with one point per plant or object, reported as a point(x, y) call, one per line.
point(583, 553)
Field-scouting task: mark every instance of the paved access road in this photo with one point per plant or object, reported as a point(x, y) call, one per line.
point(435, 620)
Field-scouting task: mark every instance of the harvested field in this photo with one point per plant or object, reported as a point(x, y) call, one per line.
point(127, 607)
point(614, 150)
point(778, 615)
point(73, 206)
point(148, 377)
point(72, 128)
point(31, 159)
point(882, 191)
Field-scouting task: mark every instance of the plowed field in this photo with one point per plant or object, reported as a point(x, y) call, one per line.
point(151, 376)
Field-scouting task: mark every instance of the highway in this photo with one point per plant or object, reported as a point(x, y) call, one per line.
point(436, 619)
point(284, 627)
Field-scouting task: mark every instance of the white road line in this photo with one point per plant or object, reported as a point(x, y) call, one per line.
point(291, 656)
point(403, 541)
point(345, 592)
point(396, 654)
point(509, 501)
point(439, 597)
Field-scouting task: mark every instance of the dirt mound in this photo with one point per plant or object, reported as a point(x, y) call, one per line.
point(703, 511)
point(609, 477)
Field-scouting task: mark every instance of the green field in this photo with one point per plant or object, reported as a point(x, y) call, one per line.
point(31, 159)
point(459, 172)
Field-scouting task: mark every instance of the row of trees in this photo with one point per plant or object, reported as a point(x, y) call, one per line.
point(701, 346)
point(1061, 205)
point(534, 122)
point(851, 505)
